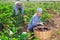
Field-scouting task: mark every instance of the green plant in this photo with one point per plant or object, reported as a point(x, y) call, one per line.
point(45, 16)
point(58, 32)
point(23, 36)
point(6, 10)
point(13, 38)
point(3, 37)
point(36, 39)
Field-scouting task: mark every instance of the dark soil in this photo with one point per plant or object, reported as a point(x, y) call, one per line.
point(1, 27)
point(54, 24)
point(23, 29)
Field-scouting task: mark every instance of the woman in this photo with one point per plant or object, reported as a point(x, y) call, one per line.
point(18, 6)
point(35, 20)
point(18, 12)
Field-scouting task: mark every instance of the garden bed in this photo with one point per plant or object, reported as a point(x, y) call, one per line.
point(12, 26)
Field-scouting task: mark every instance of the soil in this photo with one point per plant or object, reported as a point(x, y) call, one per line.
point(54, 25)
point(22, 29)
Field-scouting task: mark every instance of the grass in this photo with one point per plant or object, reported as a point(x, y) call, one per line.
point(58, 32)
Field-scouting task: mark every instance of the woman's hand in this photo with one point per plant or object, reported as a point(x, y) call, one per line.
point(27, 30)
point(40, 23)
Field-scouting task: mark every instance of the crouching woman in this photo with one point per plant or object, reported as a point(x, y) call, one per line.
point(35, 20)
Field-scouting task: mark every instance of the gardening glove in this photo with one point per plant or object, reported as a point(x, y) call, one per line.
point(41, 23)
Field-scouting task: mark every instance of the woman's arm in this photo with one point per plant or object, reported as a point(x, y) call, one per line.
point(16, 9)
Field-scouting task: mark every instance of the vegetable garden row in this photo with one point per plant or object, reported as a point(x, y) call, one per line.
point(10, 29)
